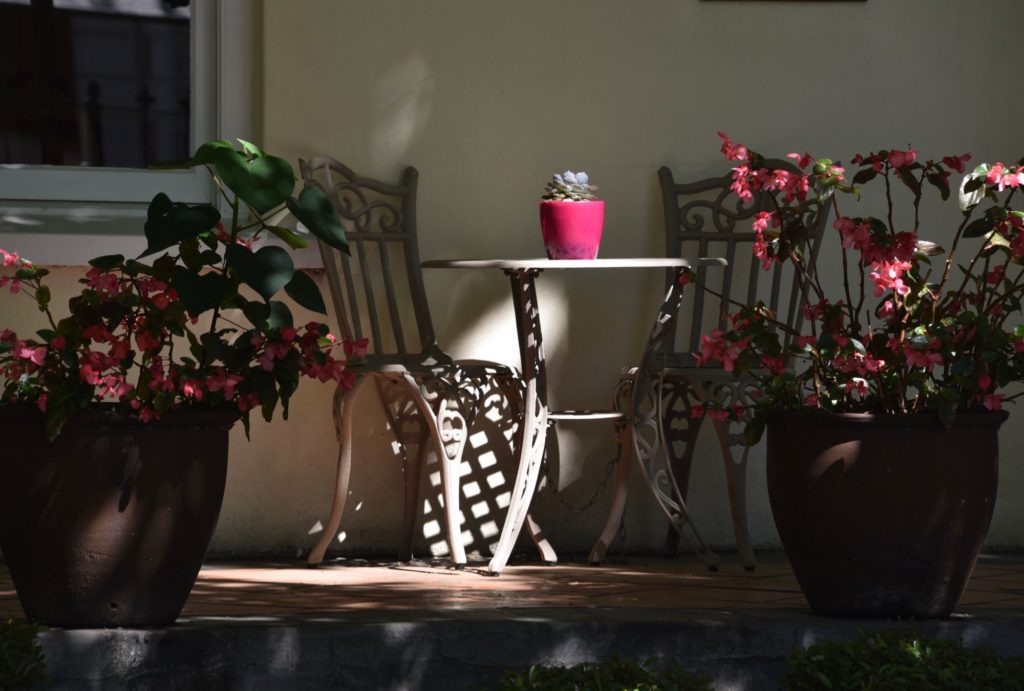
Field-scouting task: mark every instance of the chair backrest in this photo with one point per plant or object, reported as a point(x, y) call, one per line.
point(377, 290)
point(707, 219)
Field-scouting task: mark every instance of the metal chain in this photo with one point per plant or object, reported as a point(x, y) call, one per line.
point(553, 486)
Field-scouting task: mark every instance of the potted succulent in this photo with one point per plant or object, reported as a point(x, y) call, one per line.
point(115, 416)
point(882, 440)
point(571, 217)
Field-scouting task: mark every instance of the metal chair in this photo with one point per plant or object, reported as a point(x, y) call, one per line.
point(702, 218)
point(378, 293)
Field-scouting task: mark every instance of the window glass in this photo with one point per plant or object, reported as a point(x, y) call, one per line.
point(101, 83)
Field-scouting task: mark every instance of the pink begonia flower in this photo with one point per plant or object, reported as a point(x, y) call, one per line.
point(58, 343)
point(697, 412)
point(873, 364)
point(103, 281)
point(1002, 178)
point(922, 357)
point(992, 401)
point(288, 334)
point(902, 159)
point(114, 385)
point(34, 354)
point(995, 276)
point(718, 414)
point(805, 341)
point(956, 162)
point(146, 341)
point(161, 301)
point(811, 401)
point(192, 388)
point(120, 348)
point(775, 365)
point(857, 386)
point(1018, 345)
point(13, 282)
point(984, 381)
point(9, 258)
point(41, 402)
point(89, 375)
point(889, 276)
point(733, 152)
point(801, 161)
point(741, 183)
point(356, 348)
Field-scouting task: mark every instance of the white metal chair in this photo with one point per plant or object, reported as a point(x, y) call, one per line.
point(429, 399)
point(702, 219)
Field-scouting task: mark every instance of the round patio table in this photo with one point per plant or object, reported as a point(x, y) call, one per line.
point(645, 394)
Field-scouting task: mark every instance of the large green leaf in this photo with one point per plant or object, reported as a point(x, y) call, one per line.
point(314, 210)
point(263, 183)
point(168, 223)
point(265, 271)
point(200, 293)
point(271, 180)
point(304, 291)
point(280, 316)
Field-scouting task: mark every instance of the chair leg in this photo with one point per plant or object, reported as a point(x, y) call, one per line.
point(611, 526)
point(448, 434)
point(344, 401)
point(547, 552)
point(680, 433)
point(736, 480)
point(402, 414)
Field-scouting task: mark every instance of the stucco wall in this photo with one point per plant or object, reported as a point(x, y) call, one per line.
point(488, 99)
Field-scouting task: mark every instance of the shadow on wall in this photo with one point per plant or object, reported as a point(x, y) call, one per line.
point(378, 475)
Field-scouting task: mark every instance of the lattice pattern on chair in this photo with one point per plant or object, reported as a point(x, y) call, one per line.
point(430, 400)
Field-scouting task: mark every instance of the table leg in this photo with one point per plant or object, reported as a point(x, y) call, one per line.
point(648, 435)
point(535, 418)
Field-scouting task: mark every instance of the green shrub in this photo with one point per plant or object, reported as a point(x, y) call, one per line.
point(21, 656)
point(900, 661)
point(614, 674)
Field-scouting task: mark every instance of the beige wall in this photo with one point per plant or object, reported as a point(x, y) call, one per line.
point(488, 99)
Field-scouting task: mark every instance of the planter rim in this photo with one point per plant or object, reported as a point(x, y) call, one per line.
point(929, 419)
point(100, 416)
point(570, 201)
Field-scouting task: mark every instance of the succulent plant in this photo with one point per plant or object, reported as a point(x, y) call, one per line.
point(570, 187)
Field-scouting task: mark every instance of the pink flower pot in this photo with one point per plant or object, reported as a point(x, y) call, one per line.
point(571, 230)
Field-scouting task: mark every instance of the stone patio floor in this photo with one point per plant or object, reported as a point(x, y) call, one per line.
point(373, 624)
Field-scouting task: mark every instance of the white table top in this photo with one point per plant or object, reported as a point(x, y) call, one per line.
point(543, 264)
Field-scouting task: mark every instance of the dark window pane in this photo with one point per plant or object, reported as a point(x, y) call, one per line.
point(94, 82)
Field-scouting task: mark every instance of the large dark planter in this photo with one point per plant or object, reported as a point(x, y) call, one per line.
point(108, 525)
point(882, 516)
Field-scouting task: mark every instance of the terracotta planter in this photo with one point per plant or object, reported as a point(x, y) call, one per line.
point(882, 516)
point(571, 230)
point(108, 525)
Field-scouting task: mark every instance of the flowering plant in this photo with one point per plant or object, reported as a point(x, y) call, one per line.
point(930, 337)
point(133, 338)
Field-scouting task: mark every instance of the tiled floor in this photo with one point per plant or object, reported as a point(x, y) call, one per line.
point(268, 589)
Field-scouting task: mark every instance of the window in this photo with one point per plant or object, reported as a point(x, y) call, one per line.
point(130, 82)
point(90, 84)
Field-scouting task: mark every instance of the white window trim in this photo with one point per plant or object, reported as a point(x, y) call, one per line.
point(66, 215)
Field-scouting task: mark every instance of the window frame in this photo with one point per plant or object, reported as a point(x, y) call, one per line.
point(58, 214)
